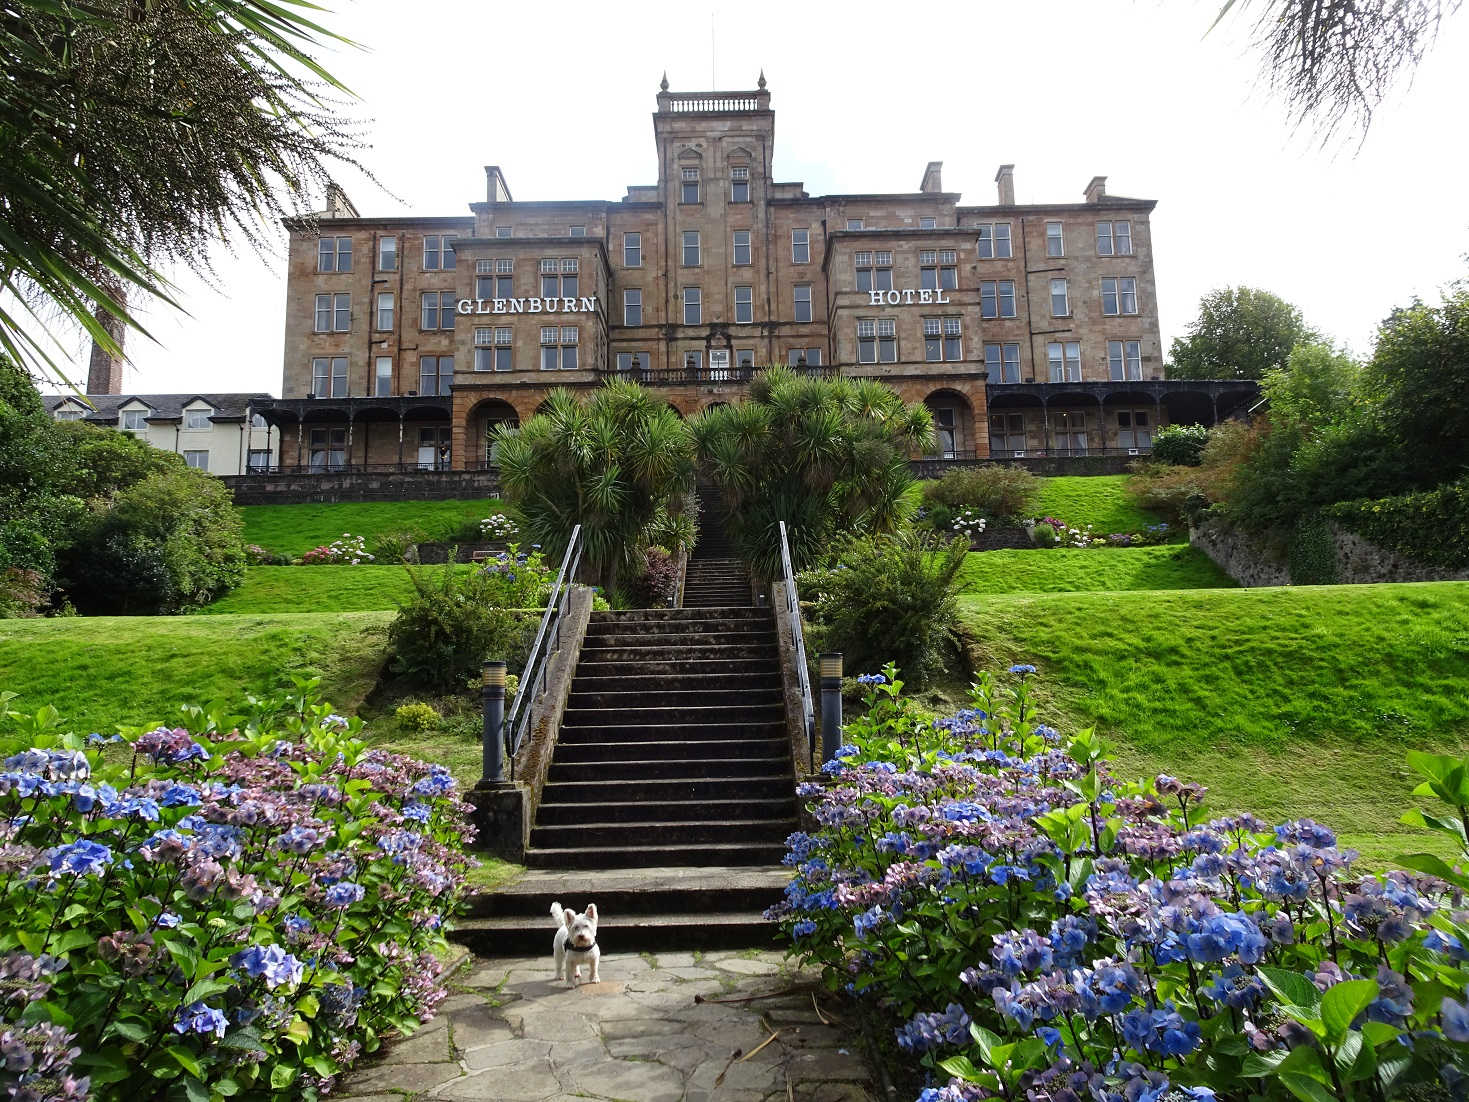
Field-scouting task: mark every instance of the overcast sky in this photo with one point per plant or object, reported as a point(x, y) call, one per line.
point(865, 94)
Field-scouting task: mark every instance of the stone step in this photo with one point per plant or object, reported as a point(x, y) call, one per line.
point(632, 657)
point(684, 811)
point(687, 640)
point(615, 857)
point(672, 667)
point(649, 769)
point(678, 614)
point(745, 749)
point(631, 933)
point(743, 786)
point(670, 732)
point(693, 714)
point(675, 681)
point(627, 834)
point(695, 623)
point(678, 698)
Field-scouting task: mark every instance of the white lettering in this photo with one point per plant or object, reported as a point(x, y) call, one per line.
point(874, 298)
point(940, 297)
point(517, 305)
point(907, 296)
point(464, 306)
point(568, 305)
point(895, 297)
point(589, 304)
point(481, 306)
point(499, 306)
point(535, 306)
point(925, 296)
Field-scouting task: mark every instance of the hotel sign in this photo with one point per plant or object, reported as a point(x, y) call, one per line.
point(905, 297)
point(582, 304)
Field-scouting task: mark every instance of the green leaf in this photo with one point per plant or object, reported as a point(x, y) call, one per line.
point(227, 1087)
point(130, 1030)
point(282, 1076)
point(72, 939)
point(298, 1031)
point(186, 1060)
point(1291, 987)
point(984, 1039)
point(1307, 1089)
point(963, 1067)
point(1341, 1005)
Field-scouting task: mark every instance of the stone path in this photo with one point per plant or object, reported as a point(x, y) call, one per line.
point(510, 1032)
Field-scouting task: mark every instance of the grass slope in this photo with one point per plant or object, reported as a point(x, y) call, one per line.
point(318, 588)
point(1099, 500)
point(295, 529)
point(1287, 702)
point(1071, 570)
point(105, 671)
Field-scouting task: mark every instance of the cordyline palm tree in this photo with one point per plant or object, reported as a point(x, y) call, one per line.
point(620, 464)
point(827, 456)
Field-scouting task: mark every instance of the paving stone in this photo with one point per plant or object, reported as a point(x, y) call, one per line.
point(835, 1092)
point(390, 1075)
point(478, 1025)
point(547, 1023)
point(641, 1027)
point(633, 1079)
point(828, 1064)
point(514, 1051)
point(430, 1047)
point(742, 967)
point(490, 976)
point(373, 1097)
point(526, 1083)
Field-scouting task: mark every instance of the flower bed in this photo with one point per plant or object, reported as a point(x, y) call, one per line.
point(1024, 924)
point(240, 910)
point(346, 550)
point(1051, 532)
point(498, 526)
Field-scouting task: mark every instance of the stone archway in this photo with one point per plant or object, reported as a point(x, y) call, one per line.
point(953, 424)
point(484, 419)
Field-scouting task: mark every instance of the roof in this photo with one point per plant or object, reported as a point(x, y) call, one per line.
point(164, 407)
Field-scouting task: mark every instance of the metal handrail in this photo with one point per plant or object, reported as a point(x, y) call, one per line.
point(533, 677)
point(798, 640)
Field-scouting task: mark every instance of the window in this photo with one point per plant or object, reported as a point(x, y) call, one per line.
point(854, 224)
point(1002, 361)
point(334, 254)
point(333, 313)
point(1064, 358)
point(874, 271)
point(328, 449)
point(492, 349)
point(928, 223)
point(742, 246)
point(800, 246)
point(499, 285)
point(437, 311)
point(199, 460)
point(1134, 429)
point(435, 374)
point(1060, 299)
point(1007, 433)
point(632, 306)
point(803, 301)
point(739, 184)
point(67, 415)
point(132, 420)
point(690, 248)
point(438, 252)
point(387, 254)
point(559, 277)
point(385, 310)
point(945, 433)
point(942, 340)
point(258, 460)
point(938, 269)
point(559, 347)
point(198, 419)
point(257, 421)
point(997, 298)
point(877, 341)
point(632, 250)
point(1125, 360)
point(382, 376)
point(689, 191)
point(578, 231)
point(1068, 432)
point(1114, 238)
point(803, 357)
point(434, 448)
point(1055, 239)
point(1119, 295)
point(693, 360)
point(693, 309)
point(329, 376)
point(633, 361)
point(504, 231)
point(744, 306)
point(994, 241)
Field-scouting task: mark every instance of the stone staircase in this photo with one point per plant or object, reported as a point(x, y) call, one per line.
point(715, 578)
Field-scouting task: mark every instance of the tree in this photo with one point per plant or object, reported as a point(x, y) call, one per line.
point(137, 132)
point(1315, 387)
point(620, 464)
point(1334, 60)
point(1419, 373)
point(1240, 333)
point(827, 456)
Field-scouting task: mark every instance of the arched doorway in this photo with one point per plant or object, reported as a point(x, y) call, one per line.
point(953, 424)
point(485, 419)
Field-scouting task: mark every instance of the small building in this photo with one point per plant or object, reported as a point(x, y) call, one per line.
point(219, 433)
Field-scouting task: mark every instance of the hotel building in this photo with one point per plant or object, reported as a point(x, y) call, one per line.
point(1029, 329)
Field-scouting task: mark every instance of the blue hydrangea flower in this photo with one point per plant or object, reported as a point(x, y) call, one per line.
point(199, 1018)
point(180, 795)
point(1455, 1018)
point(805, 928)
point(272, 962)
point(1024, 669)
point(872, 679)
point(167, 920)
point(80, 858)
point(417, 812)
point(344, 894)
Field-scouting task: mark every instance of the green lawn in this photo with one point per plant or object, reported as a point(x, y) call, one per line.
point(105, 671)
point(1099, 500)
point(318, 588)
point(295, 529)
point(1073, 569)
point(1285, 702)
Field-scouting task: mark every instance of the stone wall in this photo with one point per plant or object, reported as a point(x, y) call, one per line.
point(1055, 465)
point(1358, 560)
point(303, 489)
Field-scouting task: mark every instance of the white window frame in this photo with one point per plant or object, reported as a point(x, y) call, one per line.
point(1063, 361)
point(333, 248)
point(1125, 360)
point(856, 224)
point(949, 333)
point(504, 231)
point(693, 299)
point(999, 292)
point(687, 177)
point(387, 253)
point(736, 245)
point(383, 318)
point(197, 420)
point(801, 296)
point(997, 356)
point(382, 372)
point(928, 223)
point(632, 300)
point(874, 269)
point(576, 231)
point(133, 420)
point(744, 304)
point(326, 373)
point(995, 241)
point(441, 388)
point(1107, 235)
point(1060, 294)
point(632, 246)
point(1056, 239)
point(198, 458)
point(801, 246)
point(938, 269)
point(1122, 298)
point(739, 175)
point(697, 247)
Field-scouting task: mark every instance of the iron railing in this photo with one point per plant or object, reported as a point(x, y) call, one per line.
point(408, 466)
point(798, 641)
point(533, 676)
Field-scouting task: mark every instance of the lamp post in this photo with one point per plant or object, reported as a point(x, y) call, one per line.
point(831, 704)
point(494, 733)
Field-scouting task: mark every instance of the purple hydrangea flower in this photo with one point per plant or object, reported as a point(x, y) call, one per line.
point(199, 1018)
point(344, 894)
point(272, 962)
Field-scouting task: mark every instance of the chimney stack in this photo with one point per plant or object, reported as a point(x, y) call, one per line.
point(932, 178)
point(1005, 178)
point(104, 372)
point(337, 203)
point(496, 189)
point(1096, 189)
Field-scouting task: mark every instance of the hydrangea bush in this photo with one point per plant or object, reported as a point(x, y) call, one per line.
point(498, 526)
point(1027, 924)
point(236, 908)
point(968, 522)
point(345, 550)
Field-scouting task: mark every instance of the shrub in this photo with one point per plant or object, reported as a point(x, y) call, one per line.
point(255, 555)
point(166, 544)
point(992, 489)
point(1169, 489)
point(657, 585)
point(345, 550)
point(236, 910)
point(455, 621)
point(1431, 527)
point(498, 526)
point(1180, 445)
point(1045, 532)
point(1025, 921)
point(968, 523)
point(417, 715)
point(1311, 556)
point(22, 592)
point(395, 545)
point(887, 596)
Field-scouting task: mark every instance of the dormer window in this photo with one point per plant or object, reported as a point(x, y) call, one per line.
point(689, 191)
point(66, 413)
point(195, 419)
point(132, 420)
point(739, 184)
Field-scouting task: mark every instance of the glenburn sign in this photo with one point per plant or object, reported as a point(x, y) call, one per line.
point(581, 304)
point(905, 297)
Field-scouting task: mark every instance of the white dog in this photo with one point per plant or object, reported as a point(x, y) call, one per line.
point(576, 942)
